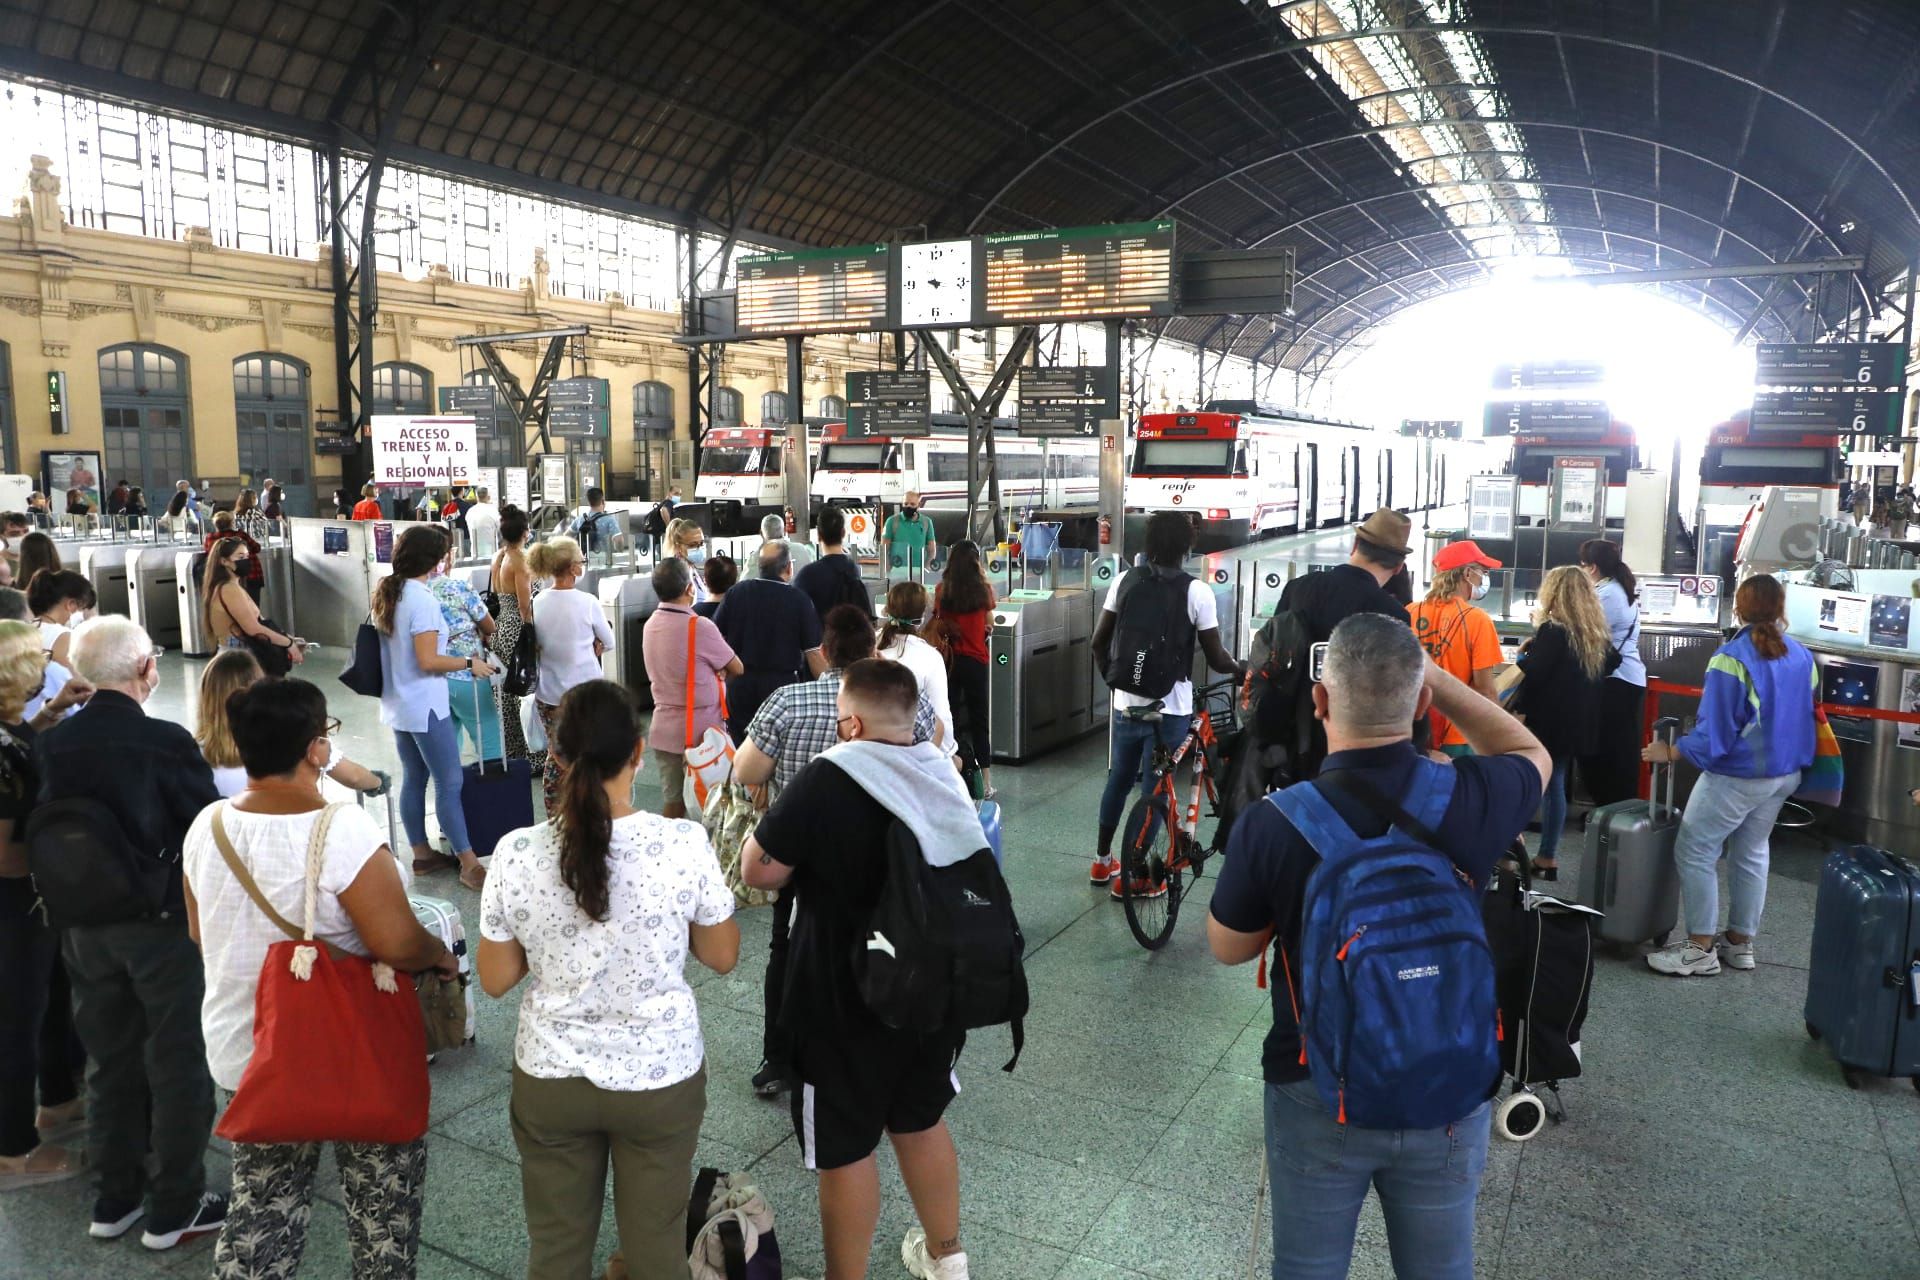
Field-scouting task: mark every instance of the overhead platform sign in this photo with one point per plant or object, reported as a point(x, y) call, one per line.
point(1879, 366)
point(1540, 374)
point(1802, 413)
point(1829, 388)
point(1562, 419)
point(813, 291)
point(1079, 273)
point(422, 452)
point(1066, 400)
point(580, 407)
point(889, 402)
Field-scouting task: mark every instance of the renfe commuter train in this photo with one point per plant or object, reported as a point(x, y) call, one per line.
point(863, 471)
point(1246, 472)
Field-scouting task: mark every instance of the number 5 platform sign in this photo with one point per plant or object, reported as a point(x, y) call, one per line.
point(411, 452)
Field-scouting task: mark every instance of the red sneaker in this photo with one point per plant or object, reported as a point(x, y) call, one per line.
point(1142, 888)
point(1104, 869)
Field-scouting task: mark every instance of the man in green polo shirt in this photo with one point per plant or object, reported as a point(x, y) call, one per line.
point(910, 530)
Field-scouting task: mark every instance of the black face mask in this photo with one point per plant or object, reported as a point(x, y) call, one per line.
point(909, 512)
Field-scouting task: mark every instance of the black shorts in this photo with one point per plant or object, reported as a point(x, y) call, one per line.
point(853, 1089)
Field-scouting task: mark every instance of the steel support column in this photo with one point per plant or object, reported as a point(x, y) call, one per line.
point(979, 412)
point(795, 463)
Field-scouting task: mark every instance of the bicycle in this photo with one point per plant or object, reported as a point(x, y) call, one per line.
point(1161, 852)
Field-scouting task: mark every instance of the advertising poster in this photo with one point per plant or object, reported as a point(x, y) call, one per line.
point(1888, 623)
point(1910, 702)
point(383, 543)
point(1850, 684)
point(333, 540)
point(70, 476)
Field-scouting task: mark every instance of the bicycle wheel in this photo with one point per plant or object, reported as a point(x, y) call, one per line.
point(1150, 876)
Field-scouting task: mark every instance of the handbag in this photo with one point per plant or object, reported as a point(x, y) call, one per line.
point(533, 730)
point(339, 1050)
point(490, 597)
point(523, 664)
point(275, 660)
point(366, 673)
point(709, 759)
point(729, 818)
point(1825, 779)
point(730, 1230)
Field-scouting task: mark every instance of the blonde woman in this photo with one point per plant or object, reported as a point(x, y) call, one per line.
point(231, 671)
point(573, 633)
point(688, 541)
point(1566, 661)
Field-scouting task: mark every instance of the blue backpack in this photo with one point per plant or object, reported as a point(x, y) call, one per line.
point(1398, 1022)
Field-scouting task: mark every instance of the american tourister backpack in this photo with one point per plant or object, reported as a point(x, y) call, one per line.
point(1398, 1019)
point(1152, 636)
point(942, 949)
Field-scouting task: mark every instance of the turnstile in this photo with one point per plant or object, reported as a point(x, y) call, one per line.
point(105, 566)
point(194, 640)
point(1039, 651)
point(628, 601)
point(153, 594)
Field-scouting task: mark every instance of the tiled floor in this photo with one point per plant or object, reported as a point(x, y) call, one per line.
point(1709, 1137)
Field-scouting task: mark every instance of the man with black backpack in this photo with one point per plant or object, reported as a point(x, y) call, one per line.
point(903, 939)
point(1368, 882)
point(1144, 642)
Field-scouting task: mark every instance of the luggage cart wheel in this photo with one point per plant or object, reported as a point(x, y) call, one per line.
point(1813, 1032)
point(1521, 1116)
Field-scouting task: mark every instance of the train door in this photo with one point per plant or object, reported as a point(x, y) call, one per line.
point(1356, 494)
point(1309, 486)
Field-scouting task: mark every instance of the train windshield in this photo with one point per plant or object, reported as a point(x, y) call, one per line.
point(1183, 457)
point(853, 457)
point(730, 462)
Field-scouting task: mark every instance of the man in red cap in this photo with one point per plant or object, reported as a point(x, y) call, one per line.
point(1456, 634)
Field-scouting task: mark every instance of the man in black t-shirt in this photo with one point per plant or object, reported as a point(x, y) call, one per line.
point(833, 579)
point(824, 842)
point(770, 626)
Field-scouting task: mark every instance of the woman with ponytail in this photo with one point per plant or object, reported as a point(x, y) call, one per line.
point(912, 640)
point(414, 702)
point(601, 905)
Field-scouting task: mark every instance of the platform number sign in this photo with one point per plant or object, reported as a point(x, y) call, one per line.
point(936, 283)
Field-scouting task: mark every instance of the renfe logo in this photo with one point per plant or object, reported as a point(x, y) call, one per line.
point(1419, 971)
point(1183, 486)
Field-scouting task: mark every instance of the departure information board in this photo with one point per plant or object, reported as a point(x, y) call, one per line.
point(1078, 273)
point(813, 291)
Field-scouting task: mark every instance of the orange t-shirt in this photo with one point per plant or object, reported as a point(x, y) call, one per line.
point(1461, 640)
point(366, 509)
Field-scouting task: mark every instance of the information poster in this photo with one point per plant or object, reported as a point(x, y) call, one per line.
point(1846, 615)
point(70, 478)
point(553, 478)
point(1576, 493)
point(1490, 501)
point(513, 487)
point(383, 543)
point(416, 452)
point(1659, 600)
point(1910, 703)
point(333, 540)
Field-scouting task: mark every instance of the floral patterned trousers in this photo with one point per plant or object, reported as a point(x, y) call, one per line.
point(272, 1202)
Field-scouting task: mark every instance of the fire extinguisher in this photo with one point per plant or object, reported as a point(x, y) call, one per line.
point(791, 523)
point(1106, 531)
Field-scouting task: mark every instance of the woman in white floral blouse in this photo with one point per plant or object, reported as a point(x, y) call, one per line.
point(602, 905)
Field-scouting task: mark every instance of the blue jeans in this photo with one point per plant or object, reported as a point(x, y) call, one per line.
point(1733, 816)
point(1428, 1180)
point(434, 754)
point(480, 723)
point(1553, 812)
point(1132, 756)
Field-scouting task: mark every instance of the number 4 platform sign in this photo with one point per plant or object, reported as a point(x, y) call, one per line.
point(410, 452)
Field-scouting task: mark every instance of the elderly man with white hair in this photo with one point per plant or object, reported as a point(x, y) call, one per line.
point(136, 974)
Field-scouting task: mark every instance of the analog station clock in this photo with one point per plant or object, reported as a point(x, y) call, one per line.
point(936, 283)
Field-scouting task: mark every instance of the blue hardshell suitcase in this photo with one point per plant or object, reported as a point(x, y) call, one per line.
point(1863, 985)
point(990, 823)
point(496, 796)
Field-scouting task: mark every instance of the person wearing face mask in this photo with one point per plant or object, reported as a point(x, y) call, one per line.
point(910, 530)
point(229, 613)
point(226, 526)
point(231, 671)
point(1457, 635)
point(688, 541)
point(469, 629)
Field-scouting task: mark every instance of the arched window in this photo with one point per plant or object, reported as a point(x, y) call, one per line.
point(727, 407)
point(832, 409)
point(402, 388)
point(652, 407)
point(270, 412)
point(773, 408)
point(145, 416)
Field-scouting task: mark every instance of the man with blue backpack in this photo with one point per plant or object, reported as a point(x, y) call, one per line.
point(1367, 882)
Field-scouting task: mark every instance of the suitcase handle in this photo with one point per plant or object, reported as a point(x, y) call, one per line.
point(1669, 727)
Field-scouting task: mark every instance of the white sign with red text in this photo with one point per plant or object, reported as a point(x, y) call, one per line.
point(422, 452)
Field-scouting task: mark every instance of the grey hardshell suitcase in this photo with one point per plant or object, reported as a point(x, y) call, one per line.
point(1863, 982)
point(1628, 870)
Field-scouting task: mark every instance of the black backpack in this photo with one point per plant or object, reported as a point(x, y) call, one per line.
point(941, 950)
point(85, 869)
point(656, 523)
point(1152, 637)
point(1278, 710)
point(523, 664)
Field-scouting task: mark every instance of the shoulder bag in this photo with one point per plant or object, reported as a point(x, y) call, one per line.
point(731, 815)
point(339, 1049)
point(275, 660)
point(709, 757)
point(366, 673)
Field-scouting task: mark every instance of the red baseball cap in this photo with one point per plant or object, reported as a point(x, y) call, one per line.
point(1458, 555)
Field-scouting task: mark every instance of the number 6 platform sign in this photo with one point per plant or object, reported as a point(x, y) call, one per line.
point(411, 452)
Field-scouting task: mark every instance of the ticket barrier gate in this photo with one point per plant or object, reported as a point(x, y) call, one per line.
point(194, 640)
point(276, 561)
point(105, 566)
point(153, 594)
point(1040, 659)
point(628, 601)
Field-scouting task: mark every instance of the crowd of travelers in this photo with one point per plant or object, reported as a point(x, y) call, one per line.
point(132, 1011)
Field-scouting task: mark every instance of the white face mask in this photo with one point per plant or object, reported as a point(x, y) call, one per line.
point(333, 755)
point(1480, 589)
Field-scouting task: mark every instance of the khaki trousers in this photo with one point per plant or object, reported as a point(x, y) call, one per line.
point(567, 1131)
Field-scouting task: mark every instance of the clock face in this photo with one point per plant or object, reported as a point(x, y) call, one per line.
point(936, 283)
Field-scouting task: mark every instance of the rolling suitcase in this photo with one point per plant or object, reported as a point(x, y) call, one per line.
point(442, 919)
point(1628, 870)
point(495, 795)
point(1863, 983)
point(990, 823)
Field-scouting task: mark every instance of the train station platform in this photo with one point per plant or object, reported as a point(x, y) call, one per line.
point(1708, 1138)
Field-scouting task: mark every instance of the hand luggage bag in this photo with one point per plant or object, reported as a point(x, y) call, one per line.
point(1863, 982)
point(1628, 870)
point(990, 823)
point(495, 795)
point(442, 919)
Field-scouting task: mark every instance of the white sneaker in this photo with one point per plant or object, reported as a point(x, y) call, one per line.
point(1685, 960)
point(1734, 955)
point(913, 1252)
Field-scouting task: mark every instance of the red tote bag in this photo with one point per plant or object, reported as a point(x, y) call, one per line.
point(339, 1048)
